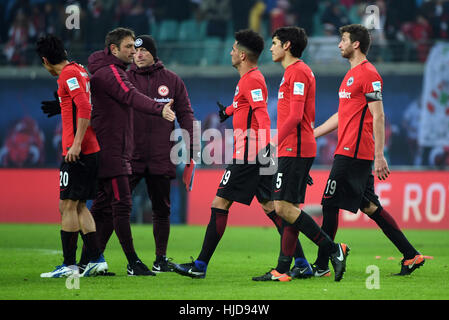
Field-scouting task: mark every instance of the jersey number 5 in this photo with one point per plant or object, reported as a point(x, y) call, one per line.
point(279, 180)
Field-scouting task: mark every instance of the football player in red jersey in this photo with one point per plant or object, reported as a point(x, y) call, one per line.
point(243, 179)
point(360, 116)
point(78, 171)
point(296, 150)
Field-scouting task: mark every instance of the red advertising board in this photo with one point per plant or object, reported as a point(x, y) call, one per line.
point(29, 195)
point(416, 199)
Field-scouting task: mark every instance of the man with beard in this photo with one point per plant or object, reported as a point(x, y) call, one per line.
point(351, 183)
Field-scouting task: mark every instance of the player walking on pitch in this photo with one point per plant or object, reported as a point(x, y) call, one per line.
point(243, 179)
point(78, 171)
point(351, 183)
point(296, 151)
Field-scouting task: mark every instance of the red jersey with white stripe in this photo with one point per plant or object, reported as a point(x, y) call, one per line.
point(250, 117)
point(355, 121)
point(296, 112)
point(75, 102)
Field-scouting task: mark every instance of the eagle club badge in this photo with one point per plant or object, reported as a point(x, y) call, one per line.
point(350, 81)
point(163, 90)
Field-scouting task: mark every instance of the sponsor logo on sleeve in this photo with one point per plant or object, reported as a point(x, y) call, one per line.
point(376, 86)
point(73, 84)
point(256, 94)
point(298, 88)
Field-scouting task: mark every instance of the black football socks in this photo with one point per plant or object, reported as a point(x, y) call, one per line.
point(214, 232)
point(69, 244)
point(390, 228)
point(305, 224)
point(278, 222)
point(329, 226)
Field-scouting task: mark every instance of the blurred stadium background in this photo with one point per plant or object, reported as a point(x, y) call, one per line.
point(194, 37)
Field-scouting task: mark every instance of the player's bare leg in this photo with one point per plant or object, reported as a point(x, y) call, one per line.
point(69, 215)
point(86, 221)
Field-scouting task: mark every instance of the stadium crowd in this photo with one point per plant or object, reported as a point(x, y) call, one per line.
point(409, 26)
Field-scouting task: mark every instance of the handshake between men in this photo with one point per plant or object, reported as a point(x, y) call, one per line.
point(167, 112)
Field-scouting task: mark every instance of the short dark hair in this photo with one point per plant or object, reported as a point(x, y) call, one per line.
point(117, 35)
point(252, 42)
point(52, 48)
point(297, 37)
point(359, 33)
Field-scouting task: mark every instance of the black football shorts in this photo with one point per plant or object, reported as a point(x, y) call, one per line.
point(241, 182)
point(78, 180)
point(289, 183)
point(350, 185)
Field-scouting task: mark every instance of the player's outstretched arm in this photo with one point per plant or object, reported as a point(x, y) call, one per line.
point(327, 127)
point(380, 163)
point(116, 83)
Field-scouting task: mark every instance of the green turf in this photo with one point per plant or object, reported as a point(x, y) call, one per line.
point(28, 250)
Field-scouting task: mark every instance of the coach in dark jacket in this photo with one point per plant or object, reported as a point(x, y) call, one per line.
point(113, 101)
point(151, 158)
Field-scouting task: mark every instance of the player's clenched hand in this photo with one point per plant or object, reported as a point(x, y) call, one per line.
point(222, 112)
point(309, 180)
point(52, 107)
point(167, 112)
point(73, 154)
point(381, 168)
point(266, 156)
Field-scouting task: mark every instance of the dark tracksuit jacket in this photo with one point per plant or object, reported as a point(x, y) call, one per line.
point(113, 99)
point(152, 143)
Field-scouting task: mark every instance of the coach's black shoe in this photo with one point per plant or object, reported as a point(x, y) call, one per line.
point(163, 264)
point(410, 265)
point(338, 260)
point(194, 269)
point(138, 268)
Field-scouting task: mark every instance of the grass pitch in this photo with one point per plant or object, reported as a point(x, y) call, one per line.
point(28, 250)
